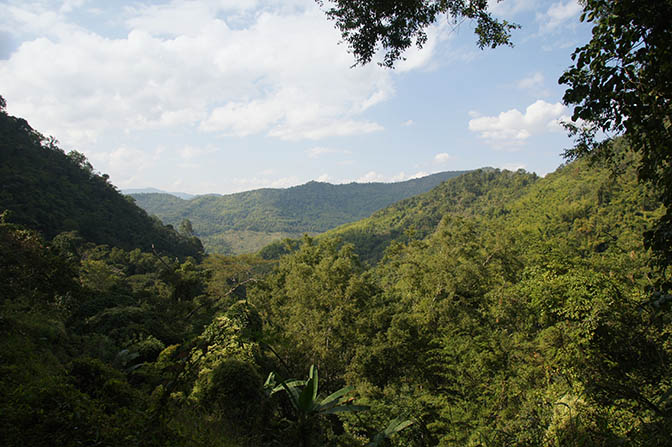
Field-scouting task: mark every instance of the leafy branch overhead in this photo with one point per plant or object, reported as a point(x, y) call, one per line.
point(395, 25)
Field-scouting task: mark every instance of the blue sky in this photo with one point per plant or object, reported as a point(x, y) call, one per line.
point(221, 96)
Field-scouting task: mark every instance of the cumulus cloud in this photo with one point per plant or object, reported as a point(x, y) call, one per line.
point(558, 14)
point(195, 64)
point(510, 8)
point(238, 184)
point(512, 128)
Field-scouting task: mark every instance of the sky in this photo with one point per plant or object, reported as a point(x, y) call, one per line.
point(222, 96)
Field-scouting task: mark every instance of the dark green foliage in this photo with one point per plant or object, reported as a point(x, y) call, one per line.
point(248, 221)
point(52, 192)
point(395, 25)
point(234, 389)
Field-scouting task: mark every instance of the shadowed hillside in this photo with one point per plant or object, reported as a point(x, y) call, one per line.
point(49, 191)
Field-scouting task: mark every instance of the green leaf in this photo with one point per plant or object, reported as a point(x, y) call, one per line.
point(396, 425)
point(293, 394)
point(306, 399)
point(313, 377)
point(333, 399)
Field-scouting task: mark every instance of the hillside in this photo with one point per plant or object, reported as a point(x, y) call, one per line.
point(480, 192)
point(51, 192)
point(247, 221)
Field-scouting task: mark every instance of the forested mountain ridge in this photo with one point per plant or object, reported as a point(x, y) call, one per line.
point(247, 221)
point(49, 191)
point(482, 192)
point(573, 190)
point(181, 195)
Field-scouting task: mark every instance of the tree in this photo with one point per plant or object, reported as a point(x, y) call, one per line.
point(621, 85)
point(395, 25)
point(186, 229)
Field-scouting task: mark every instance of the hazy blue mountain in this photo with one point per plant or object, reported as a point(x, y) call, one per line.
point(181, 195)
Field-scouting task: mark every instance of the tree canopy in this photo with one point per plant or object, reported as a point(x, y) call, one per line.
point(621, 84)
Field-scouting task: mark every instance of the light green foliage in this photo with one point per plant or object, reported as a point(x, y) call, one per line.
point(311, 302)
point(482, 192)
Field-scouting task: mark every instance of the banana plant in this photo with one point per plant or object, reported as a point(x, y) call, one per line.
point(304, 397)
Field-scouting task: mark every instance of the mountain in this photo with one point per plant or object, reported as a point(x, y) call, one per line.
point(247, 221)
point(51, 192)
point(181, 195)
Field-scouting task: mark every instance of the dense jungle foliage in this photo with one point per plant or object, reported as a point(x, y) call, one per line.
point(247, 221)
point(498, 309)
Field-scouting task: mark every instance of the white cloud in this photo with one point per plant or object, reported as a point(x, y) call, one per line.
point(534, 84)
point(533, 81)
point(512, 128)
point(182, 64)
point(69, 5)
point(318, 151)
point(192, 152)
point(558, 14)
point(418, 175)
point(408, 123)
point(370, 177)
point(238, 184)
point(443, 157)
point(323, 178)
point(319, 130)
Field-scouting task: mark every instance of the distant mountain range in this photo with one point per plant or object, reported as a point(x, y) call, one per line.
point(181, 195)
point(247, 221)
